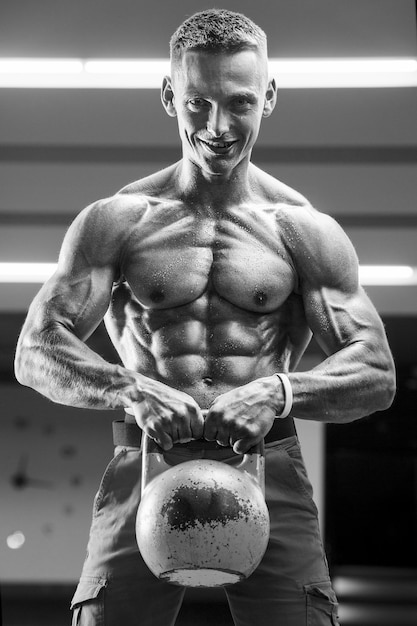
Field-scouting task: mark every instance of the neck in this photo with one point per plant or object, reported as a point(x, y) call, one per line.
point(202, 187)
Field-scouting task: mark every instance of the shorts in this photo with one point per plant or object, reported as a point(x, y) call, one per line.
point(290, 587)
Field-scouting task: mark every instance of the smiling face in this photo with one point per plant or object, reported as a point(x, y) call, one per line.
point(219, 100)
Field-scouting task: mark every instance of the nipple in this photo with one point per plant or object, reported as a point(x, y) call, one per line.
point(157, 295)
point(260, 298)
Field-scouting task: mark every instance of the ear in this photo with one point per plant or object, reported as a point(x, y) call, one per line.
point(167, 97)
point(270, 98)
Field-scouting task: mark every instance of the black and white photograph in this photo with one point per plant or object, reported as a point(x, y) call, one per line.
point(208, 313)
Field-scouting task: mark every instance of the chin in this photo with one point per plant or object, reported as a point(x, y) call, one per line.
point(221, 166)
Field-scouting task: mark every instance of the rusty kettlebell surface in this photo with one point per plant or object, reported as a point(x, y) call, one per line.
point(202, 523)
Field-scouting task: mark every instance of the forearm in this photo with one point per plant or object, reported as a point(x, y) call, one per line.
point(63, 368)
point(346, 386)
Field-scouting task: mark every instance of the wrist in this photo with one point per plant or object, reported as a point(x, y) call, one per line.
point(288, 395)
point(132, 389)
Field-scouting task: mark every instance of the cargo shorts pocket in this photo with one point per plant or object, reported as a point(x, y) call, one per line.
point(88, 602)
point(321, 605)
point(106, 480)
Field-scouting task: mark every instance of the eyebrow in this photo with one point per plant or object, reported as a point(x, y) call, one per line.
point(250, 95)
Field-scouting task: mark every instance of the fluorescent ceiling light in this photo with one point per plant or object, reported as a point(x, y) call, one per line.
point(368, 274)
point(148, 73)
point(26, 272)
point(39, 67)
point(387, 275)
point(342, 72)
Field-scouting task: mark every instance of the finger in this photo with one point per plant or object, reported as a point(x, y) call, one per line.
point(197, 424)
point(211, 426)
point(223, 437)
point(162, 438)
point(241, 446)
point(187, 424)
point(140, 410)
point(178, 438)
point(164, 441)
point(180, 428)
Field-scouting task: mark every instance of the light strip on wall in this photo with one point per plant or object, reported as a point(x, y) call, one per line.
point(387, 275)
point(26, 272)
point(148, 73)
point(368, 274)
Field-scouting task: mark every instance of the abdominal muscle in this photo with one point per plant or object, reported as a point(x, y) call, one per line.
point(203, 348)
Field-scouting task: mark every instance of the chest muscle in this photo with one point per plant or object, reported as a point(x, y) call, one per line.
point(176, 265)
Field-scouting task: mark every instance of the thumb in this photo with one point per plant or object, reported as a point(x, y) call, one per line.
point(242, 445)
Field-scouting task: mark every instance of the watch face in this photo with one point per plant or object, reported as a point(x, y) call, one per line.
point(51, 462)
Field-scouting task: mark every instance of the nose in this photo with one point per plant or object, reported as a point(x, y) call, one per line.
point(218, 121)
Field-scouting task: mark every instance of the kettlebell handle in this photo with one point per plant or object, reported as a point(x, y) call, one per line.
point(153, 462)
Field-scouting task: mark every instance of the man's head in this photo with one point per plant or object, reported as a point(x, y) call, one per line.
point(216, 30)
point(219, 88)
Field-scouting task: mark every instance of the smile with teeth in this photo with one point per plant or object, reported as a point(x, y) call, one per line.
point(217, 146)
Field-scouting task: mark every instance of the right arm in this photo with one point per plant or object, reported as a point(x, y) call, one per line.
point(52, 356)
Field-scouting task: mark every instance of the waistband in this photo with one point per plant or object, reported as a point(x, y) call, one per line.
point(126, 433)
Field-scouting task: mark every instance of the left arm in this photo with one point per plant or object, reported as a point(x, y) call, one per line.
point(358, 377)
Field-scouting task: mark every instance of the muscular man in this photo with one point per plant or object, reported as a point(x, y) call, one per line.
point(211, 277)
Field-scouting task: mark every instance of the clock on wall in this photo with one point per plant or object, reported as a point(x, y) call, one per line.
point(51, 461)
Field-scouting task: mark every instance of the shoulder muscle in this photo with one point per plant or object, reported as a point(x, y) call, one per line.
point(322, 252)
point(97, 235)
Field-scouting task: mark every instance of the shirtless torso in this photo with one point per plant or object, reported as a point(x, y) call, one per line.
point(211, 276)
point(206, 300)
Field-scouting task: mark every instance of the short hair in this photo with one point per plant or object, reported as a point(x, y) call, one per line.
point(216, 30)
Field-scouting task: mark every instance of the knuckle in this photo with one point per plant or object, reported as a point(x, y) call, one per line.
point(253, 430)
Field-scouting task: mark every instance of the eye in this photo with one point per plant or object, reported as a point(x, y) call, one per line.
point(241, 103)
point(197, 103)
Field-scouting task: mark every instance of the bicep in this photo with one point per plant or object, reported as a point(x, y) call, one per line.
point(337, 308)
point(76, 300)
point(340, 318)
point(78, 294)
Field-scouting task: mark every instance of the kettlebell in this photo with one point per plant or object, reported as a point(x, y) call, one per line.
point(202, 523)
